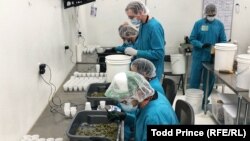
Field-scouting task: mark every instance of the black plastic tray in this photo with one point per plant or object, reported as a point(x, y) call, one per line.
point(91, 117)
point(98, 87)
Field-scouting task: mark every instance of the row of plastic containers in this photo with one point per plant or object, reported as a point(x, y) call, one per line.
point(81, 83)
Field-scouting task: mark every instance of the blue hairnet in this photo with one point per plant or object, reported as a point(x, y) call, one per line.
point(144, 67)
point(210, 9)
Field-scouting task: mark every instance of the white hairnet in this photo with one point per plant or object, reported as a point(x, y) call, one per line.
point(136, 7)
point(144, 67)
point(126, 31)
point(210, 9)
point(137, 87)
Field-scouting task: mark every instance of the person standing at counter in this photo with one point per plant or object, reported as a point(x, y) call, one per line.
point(150, 42)
point(205, 34)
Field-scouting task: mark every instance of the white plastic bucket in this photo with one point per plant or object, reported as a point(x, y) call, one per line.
point(243, 71)
point(194, 97)
point(224, 56)
point(177, 63)
point(116, 64)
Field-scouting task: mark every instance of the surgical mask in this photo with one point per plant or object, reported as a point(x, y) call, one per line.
point(135, 21)
point(127, 42)
point(128, 107)
point(210, 19)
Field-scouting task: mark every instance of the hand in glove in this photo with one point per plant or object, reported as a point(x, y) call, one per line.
point(115, 115)
point(206, 45)
point(130, 51)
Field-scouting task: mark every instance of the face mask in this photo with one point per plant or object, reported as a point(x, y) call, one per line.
point(135, 21)
point(128, 108)
point(210, 18)
point(127, 42)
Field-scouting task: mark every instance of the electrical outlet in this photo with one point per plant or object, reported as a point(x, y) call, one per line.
point(42, 68)
point(66, 47)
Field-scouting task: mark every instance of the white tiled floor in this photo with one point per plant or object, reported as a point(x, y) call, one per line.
point(201, 118)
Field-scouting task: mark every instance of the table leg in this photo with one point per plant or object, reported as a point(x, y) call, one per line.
point(206, 93)
point(246, 114)
point(223, 88)
point(186, 73)
point(238, 109)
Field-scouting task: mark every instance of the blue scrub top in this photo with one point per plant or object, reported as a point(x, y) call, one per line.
point(206, 32)
point(156, 85)
point(156, 112)
point(150, 44)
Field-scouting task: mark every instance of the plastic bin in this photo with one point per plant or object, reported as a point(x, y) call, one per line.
point(230, 112)
point(98, 87)
point(218, 100)
point(91, 117)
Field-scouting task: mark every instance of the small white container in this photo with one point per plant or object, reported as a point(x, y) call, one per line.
point(35, 137)
point(84, 50)
point(92, 74)
point(101, 74)
point(97, 68)
point(88, 106)
point(73, 111)
point(59, 139)
point(84, 74)
point(26, 137)
point(50, 139)
point(102, 104)
point(88, 74)
point(42, 139)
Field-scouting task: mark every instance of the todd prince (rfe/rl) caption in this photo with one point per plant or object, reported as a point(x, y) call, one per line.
point(176, 132)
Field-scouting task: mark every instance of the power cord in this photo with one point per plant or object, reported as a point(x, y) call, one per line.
point(55, 107)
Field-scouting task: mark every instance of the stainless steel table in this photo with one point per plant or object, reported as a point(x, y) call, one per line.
point(230, 81)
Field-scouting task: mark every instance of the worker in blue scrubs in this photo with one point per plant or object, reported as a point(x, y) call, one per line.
point(134, 93)
point(205, 34)
point(147, 69)
point(128, 34)
point(150, 43)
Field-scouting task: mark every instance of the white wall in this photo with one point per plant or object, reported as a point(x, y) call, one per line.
point(241, 25)
point(31, 32)
point(176, 16)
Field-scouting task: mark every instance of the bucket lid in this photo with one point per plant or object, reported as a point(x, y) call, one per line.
point(118, 62)
point(194, 92)
point(225, 46)
point(243, 58)
point(118, 57)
